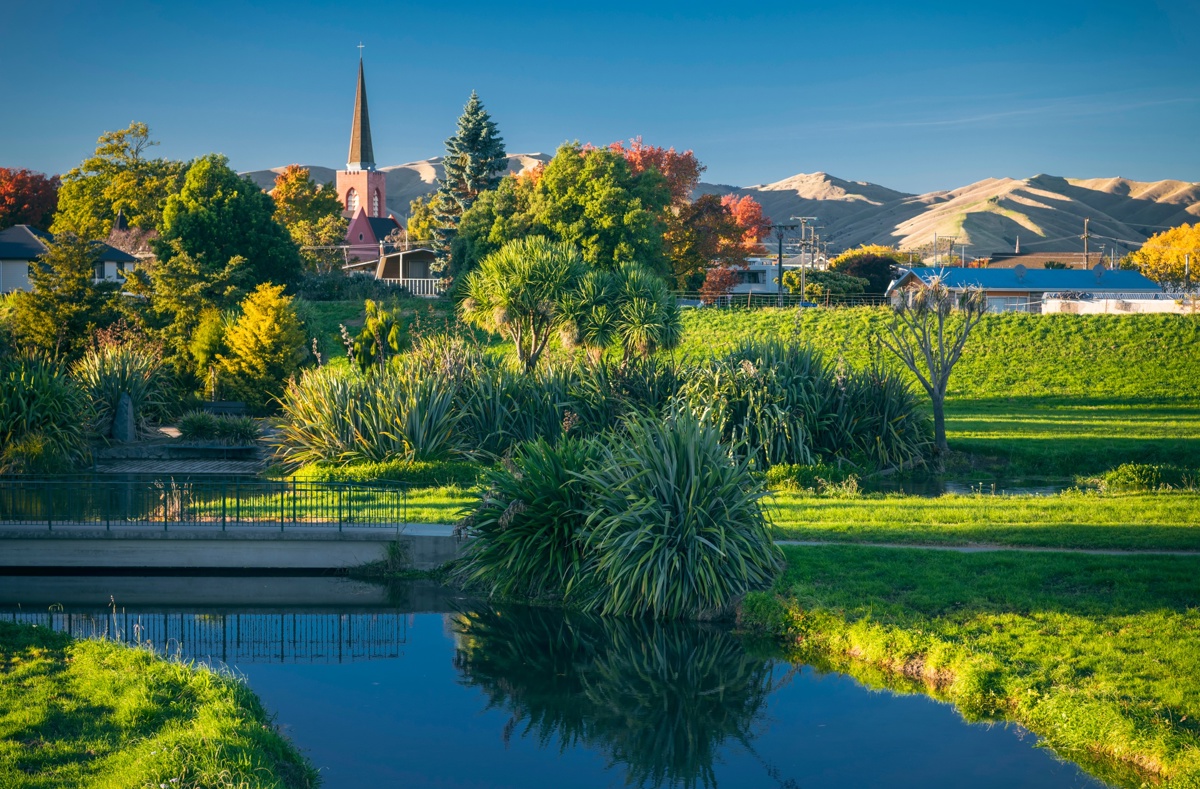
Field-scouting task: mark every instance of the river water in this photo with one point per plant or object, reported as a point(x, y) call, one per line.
point(416, 686)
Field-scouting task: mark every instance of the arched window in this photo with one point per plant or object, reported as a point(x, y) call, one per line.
point(352, 201)
point(375, 203)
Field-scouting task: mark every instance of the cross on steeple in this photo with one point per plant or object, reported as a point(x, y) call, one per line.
point(360, 49)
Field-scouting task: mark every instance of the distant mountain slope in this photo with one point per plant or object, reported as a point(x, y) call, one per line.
point(1046, 212)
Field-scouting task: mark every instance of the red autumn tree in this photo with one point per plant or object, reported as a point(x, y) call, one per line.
point(699, 235)
point(748, 215)
point(27, 198)
point(719, 281)
point(682, 170)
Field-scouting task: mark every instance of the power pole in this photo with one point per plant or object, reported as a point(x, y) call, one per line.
point(803, 220)
point(781, 231)
point(936, 257)
point(1085, 238)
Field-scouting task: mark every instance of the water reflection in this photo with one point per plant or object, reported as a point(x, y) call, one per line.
point(656, 699)
point(237, 638)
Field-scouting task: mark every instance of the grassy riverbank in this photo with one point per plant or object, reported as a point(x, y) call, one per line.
point(1100, 655)
point(1142, 521)
point(96, 713)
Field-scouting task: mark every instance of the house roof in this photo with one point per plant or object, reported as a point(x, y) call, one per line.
point(22, 242)
point(381, 226)
point(1033, 280)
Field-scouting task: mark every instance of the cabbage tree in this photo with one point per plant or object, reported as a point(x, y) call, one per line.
point(520, 291)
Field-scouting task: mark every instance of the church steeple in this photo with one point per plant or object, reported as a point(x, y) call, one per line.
point(362, 156)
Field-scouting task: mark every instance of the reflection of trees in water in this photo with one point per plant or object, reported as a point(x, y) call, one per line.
point(657, 698)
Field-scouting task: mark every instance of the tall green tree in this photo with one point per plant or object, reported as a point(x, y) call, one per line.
point(475, 159)
point(593, 199)
point(218, 215)
point(64, 307)
point(178, 292)
point(119, 176)
point(588, 197)
point(313, 217)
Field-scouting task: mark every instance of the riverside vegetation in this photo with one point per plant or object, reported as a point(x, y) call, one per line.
point(98, 713)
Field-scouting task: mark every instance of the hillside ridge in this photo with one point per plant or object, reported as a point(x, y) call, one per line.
point(1044, 212)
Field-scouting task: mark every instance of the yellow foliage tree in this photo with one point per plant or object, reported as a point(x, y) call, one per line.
point(265, 346)
point(1162, 258)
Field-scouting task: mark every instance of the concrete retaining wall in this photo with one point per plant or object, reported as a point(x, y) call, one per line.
point(218, 550)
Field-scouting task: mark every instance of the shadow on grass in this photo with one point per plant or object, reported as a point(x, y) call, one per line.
point(895, 585)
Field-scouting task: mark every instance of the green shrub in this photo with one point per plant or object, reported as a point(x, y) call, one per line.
point(202, 426)
point(675, 528)
point(1148, 476)
point(528, 524)
point(339, 416)
point(815, 477)
point(418, 474)
point(108, 371)
point(783, 403)
point(43, 414)
point(198, 426)
point(264, 347)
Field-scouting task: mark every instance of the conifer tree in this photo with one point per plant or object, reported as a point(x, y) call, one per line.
point(475, 158)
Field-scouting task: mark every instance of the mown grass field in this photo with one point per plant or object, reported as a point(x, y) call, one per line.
point(1056, 357)
point(1027, 437)
point(96, 713)
point(1143, 521)
point(1098, 654)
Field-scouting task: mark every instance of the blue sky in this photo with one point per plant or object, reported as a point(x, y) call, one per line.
point(912, 95)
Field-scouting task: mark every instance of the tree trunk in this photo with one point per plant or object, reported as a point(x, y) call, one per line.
point(940, 447)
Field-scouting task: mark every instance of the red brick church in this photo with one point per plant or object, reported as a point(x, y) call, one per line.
point(363, 189)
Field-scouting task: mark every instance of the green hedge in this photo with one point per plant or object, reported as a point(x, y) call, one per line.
point(419, 474)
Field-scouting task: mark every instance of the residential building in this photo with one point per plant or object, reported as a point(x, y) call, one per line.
point(22, 245)
point(1019, 289)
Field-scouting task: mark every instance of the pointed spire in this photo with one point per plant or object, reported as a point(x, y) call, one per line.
point(362, 156)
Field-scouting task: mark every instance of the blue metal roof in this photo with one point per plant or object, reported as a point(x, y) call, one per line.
point(1035, 279)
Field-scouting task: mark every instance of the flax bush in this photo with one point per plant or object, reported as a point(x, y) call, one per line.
point(529, 523)
point(785, 404)
point(43, 418)
point(675, 528)
point(657, 520)
point(341, 416)
point(108, 371)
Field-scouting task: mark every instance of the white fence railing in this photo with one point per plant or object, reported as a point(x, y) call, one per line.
point(427, 288)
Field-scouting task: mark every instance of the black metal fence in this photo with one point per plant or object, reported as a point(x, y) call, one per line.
point(238, 638)
point(218, 504)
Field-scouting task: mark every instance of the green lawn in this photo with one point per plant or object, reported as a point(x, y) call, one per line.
point(95, 713)
point(1100, 655)
point(1145, 357)
point(1146, 521)
point(1083, 437)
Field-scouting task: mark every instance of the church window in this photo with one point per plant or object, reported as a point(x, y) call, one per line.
point(352, 201)
point(375, 203)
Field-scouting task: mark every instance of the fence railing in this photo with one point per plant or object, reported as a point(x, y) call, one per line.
point(428, 288)
point(165, 504)
point(763, 299)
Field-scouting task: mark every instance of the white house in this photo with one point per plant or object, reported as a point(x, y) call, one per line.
point(21, 245)
point(1020, 289)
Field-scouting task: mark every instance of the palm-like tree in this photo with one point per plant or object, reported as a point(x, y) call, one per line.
point(520, 290)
